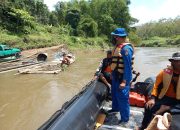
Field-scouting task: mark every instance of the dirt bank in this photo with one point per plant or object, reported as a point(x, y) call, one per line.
point(49, 50)
point(29, 57)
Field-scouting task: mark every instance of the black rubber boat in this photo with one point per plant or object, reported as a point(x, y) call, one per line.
point(81, 111)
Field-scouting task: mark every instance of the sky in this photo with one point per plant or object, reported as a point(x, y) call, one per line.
point(153, 10)
point(144, 10)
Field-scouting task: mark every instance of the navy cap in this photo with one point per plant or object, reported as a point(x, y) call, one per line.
point(120, 32)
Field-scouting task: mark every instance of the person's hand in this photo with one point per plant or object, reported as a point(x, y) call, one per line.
point(95, 77)
point(122, 85)
point(150, 103)
point(109, 85)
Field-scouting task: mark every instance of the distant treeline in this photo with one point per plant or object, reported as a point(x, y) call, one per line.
point(29, 24)
point(87, 18)
point(165, 32)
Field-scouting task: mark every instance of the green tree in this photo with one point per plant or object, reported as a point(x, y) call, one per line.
point(116, 9)
point(60, 9)
point(42, 13)
point(106, 24)
point(16, 20)
point(53, 20)
point(84, 7)
point(161, 28)
point(73, 17)
point(88, 27)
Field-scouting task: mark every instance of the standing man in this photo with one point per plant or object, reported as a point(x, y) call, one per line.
point(166, 91)
point(122, 60)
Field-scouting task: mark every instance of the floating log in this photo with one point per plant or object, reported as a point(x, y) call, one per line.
point(29, 71)
point(43, 69)
point(19, 66)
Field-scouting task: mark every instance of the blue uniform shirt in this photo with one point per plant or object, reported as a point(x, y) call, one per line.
point(127, 54)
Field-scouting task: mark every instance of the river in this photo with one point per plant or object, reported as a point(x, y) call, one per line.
point(28, 100)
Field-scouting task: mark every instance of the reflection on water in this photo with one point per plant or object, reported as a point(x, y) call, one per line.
point(27, 101)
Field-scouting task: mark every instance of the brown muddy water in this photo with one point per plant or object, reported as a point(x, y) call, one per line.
point(27, 101)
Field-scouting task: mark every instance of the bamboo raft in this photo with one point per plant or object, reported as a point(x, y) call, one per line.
point(53, 67)
point(42, 69)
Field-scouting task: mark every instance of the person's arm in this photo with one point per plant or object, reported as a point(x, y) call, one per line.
point(127, 53)
point(98, 70)
point(158, 81)
point(154, 93)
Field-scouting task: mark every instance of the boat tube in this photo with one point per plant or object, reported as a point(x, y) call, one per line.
point(81, 111)
point(145, 87)
point(140, 92)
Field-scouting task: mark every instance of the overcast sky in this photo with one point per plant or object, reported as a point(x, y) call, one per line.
point(145, 10)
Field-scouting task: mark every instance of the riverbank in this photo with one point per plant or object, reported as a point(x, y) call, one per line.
point(161, 42)
point(47, 36)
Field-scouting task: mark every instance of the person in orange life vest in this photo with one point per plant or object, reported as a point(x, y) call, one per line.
point(104, 70)
point(166, 91)
point(122, 60)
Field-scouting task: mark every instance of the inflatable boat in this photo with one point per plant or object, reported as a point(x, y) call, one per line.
point(81, 111)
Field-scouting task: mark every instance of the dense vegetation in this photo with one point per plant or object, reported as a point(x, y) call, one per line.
point(79, 23)
point(165, 32)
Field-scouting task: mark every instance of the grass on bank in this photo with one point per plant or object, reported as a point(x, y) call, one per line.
point(161, 42)
point(46, 36)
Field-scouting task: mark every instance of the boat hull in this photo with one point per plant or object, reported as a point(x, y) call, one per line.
point(81, 112)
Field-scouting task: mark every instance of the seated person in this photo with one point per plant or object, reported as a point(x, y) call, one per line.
point(166, 91)
point(104, 70)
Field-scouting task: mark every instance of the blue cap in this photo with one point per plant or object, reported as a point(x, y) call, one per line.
point(120, 32)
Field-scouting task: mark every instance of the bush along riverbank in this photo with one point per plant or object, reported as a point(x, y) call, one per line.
point(161, 33)
point(161, 42)
point(47, 36)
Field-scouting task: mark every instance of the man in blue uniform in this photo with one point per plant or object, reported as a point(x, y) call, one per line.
point(122, 60)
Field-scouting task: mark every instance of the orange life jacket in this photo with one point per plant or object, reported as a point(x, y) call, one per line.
point(117, 59)
point(167, 77)
point(108, 69)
